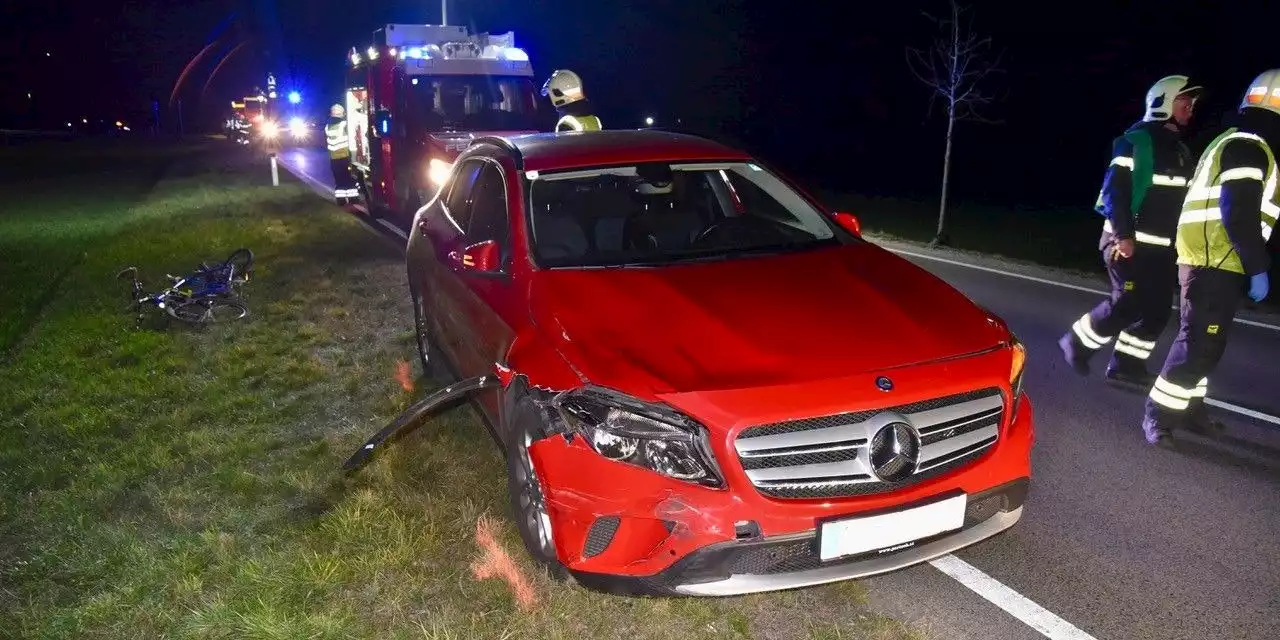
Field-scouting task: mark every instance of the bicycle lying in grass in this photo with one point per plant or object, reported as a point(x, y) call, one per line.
point(210, 294)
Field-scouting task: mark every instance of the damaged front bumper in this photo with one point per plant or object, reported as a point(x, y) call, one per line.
point(791, 561)
point(623, 529)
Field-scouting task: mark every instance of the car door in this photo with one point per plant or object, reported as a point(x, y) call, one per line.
point(482, 297)
point(447, 232)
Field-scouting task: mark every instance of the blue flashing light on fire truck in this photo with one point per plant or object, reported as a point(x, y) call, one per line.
point(417, 97)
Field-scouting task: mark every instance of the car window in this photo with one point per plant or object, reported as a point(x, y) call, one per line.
point(656, 213)
point(752, 199)
point(489, 208)
point(461, 188)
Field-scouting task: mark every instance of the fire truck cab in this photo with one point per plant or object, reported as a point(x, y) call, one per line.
point(418, 96)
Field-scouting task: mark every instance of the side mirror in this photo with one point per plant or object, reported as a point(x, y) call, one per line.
point(849, 222)
point(482, 257)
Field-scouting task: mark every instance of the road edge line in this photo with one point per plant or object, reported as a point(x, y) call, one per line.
point(1023, 276)
point(323, 190)
point(1244, 411)
point(1015, 604)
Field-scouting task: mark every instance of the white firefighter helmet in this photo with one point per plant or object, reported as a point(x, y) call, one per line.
point(1264, 92)
point(563, 87)
point(1161, 95)
point(337, 111)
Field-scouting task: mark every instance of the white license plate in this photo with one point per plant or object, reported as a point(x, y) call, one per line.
point(861, 534)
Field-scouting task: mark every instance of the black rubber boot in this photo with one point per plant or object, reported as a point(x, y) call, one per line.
point(1075, 353)
point(1198, 420)
point(1157, 435)
point(1129, 371)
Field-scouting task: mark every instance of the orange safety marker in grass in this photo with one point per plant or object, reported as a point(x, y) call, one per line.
point(496, 563)
point(404, 376)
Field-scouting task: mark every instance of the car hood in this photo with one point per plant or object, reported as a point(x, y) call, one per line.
point(748, 322)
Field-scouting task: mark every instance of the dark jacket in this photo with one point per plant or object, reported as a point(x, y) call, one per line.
point(1168, 169)
point(577, 108)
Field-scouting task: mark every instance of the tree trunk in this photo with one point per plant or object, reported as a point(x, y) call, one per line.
point(940, 238)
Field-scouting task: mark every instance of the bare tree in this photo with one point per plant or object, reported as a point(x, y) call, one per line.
point(954, 67)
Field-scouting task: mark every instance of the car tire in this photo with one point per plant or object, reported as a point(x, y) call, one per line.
point(524, 488)
point(430, 359)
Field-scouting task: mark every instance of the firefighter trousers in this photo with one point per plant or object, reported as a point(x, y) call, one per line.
point(1208, 306)
point(344, 184)
point(1138, 308)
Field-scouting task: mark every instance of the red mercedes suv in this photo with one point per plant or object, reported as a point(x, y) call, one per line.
point(704, 382)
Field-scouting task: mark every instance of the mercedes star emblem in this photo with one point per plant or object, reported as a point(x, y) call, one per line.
point(884, 384)
point(895, 452)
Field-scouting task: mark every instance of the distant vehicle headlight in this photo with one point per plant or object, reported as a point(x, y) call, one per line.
point(298, 128)
point(270, 129)
point(438, 171)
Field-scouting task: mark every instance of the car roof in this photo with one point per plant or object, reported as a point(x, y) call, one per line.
point(551, 151)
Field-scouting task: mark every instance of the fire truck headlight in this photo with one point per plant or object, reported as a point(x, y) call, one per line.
point(270, 129)
point(438, 171)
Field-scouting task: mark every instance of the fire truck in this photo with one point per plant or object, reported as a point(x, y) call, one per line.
point(418, 96)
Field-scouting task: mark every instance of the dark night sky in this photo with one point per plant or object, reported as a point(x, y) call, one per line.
point(820, 88)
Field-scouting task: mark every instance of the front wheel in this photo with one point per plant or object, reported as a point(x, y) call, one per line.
point(524, 488)
point(208, 311)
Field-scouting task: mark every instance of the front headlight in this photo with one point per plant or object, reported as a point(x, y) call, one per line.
point(651, 436)
point(1017, 368)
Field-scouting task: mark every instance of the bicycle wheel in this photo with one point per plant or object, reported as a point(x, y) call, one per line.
point(207, 310)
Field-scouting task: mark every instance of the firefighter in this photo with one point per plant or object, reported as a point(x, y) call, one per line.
point(1141, 199)
point(564, 87)
point(336, 136)
point(1227, 219)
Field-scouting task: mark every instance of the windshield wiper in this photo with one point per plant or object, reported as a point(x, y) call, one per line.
point(711, 255)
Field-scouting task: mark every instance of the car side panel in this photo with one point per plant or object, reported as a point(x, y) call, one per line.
point(496, 307)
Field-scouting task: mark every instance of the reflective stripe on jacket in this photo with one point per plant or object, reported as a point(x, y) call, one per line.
point(1214, 231)
point(1145, 184)
point(579, 123)
point(335, 135)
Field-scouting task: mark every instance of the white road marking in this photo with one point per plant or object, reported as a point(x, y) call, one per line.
point(1012, 602)
point(1244, 411)
point(323, 189)
point(1023, 276)
point(393, 229)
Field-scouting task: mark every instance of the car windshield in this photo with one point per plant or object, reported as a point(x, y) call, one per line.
point(478, 103)
point(659, 213)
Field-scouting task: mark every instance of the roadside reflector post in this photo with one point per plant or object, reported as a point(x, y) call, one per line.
point(275, 171)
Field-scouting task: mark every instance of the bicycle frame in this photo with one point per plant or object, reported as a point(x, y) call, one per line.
point(217, 282)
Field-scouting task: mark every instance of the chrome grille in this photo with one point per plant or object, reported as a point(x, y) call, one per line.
point(829, 456)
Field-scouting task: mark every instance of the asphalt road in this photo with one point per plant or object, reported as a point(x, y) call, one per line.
point(1119, 539)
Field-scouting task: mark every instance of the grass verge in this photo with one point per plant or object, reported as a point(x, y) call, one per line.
point(173, 482)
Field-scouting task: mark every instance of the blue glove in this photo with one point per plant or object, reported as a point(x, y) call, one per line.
point(1258, 286)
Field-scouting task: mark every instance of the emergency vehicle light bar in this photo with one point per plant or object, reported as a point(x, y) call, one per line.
point(436, 42)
